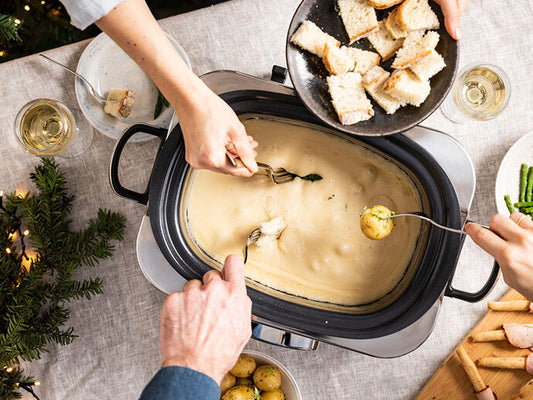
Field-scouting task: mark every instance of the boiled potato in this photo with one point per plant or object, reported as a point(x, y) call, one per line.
point(239, 393)
point(244, 367)
point(273, 395)
point(227, 382)
point(244, 382)
point(373, 222)
point(267, 378)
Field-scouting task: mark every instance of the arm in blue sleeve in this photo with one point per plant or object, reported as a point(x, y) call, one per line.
point(180, 383)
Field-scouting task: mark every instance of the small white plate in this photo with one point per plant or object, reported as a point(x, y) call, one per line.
point(107, 66)
point(508, 178)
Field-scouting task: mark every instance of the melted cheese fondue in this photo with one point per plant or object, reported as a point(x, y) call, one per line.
point(322, 254)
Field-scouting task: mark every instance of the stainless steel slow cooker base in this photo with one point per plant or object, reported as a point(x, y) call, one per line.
point(447, 152)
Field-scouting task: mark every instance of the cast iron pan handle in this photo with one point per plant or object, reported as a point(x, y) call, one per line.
point(481, 293)
point(161, 133)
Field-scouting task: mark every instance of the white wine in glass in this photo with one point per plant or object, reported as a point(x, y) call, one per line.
point(480, 92)
point(45, 127)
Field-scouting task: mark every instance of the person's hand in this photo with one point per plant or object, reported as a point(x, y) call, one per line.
point(210, 128)
point(510, 242)
point(206, 326)
point(452, 11)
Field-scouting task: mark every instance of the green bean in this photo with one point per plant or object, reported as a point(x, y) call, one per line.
point(523, 182)
point(528, 210)
point(524, 204)
point(509, 204)
point(529, 187)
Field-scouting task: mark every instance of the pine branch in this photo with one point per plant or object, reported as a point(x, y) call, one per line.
point(9, 28)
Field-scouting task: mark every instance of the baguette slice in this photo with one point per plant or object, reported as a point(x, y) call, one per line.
point(415, 46)
point(428, 66)
point(374, 82)
point(310, 37)
point(416, 14)
point(120, 102)
point(348, 98)
point(382, 4)
point(359, 18)
point(396, 31)
point(405, 86)
point(383, 41)
point(338, 60)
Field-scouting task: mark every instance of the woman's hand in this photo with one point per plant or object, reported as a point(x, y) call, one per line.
point(510, 242)
point(210, 128)
point(452, 11)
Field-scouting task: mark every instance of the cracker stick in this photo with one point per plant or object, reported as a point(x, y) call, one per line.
point(471, 370)
point(525, 392)
point(489, 336)
point(513, 305)
point(502, 362)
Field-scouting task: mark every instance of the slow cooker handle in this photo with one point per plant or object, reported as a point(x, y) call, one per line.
point(142, 198)
point(481, 293)
point(282, 338)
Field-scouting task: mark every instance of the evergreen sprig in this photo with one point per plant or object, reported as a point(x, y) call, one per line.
point(33, 301)
point(9, 28)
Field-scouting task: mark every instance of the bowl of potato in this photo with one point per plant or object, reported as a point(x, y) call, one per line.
point(257, 376)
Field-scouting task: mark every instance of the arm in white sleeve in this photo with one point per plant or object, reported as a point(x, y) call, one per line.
point(86, 12)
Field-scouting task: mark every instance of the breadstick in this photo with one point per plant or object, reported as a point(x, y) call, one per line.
point(489, 336)
point(525, 392)
point(513, 305)
point(471, 370)
point(502, 362)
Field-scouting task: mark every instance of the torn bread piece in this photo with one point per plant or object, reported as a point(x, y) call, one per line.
point(428, 66)
point(359, 18)
point(120, 102)
point(347, 59)
point(416, 14)
point(337, 60)
point(364, 60)
point(396, 31)
point(271, 231)
point(374, 82)
point(405, 86)
point(383, 41)
point(415, 46)
point(310, 37)
point(382, 4)
point(349, 99)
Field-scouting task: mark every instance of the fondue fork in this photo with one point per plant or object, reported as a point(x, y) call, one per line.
point(420, 215)
point(254, 236)
point(278, 175)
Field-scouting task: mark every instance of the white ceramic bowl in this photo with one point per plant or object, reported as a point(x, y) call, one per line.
point(288, 383)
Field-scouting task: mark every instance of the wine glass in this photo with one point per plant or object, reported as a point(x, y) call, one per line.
point(46, 127)
point(481, 92)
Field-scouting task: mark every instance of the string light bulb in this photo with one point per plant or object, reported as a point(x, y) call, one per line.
point(17, 21)
point(9, 370)
point(26, 232)
point(37, 383)
point(27, 7)
point(1, 193)
point(8, 250)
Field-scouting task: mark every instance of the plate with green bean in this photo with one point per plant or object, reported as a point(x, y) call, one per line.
point(514, 182)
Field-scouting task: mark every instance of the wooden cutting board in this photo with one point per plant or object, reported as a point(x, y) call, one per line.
point(450, 380)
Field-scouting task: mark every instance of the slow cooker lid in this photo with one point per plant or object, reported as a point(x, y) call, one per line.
point(435, 269)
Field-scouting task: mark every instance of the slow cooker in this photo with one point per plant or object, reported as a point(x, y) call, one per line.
point(409, 310)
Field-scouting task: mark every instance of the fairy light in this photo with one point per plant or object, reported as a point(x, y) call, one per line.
point(27, 7)
point(43, 2)
point(9, 370)
point(17, 21)
point(26, 232)
point(8, 250)
point(37, 383)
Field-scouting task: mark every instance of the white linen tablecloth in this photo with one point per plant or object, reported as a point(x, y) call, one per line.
point(117, 349)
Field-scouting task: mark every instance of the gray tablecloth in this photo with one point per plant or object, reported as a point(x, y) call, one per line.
point(117, 349)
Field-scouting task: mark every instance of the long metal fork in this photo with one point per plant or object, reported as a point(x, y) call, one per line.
point(421, 215)
point(252, 238)
point(278, 175)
